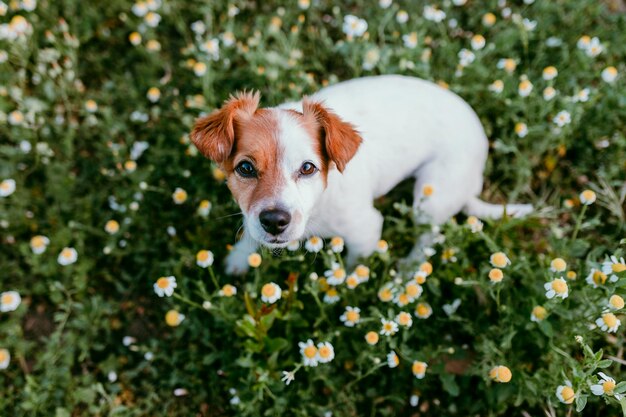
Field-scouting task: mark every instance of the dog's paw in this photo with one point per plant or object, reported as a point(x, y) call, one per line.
point(237, 262)
point(519, 210)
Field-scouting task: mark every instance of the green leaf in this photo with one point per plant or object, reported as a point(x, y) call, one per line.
point(604, 363)
point(449, 384)
point(620, 388)
point(581, 402)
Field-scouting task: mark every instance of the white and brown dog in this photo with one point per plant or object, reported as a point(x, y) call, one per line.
point(315, 167)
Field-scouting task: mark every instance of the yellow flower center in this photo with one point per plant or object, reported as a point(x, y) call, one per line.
point(558, 264)
point(204, 204)
point(310, 351)
point(503, 374)
point(37, 242)
point(571, 275)
point(314, 240)
point(617, 268)
point(608, 386)
point(66, 253)
point(3, 356)
point(202, 256)
point(549, 71)
point(324, 351)
point(352, 281)
point(489, 19)
point(336, 241)
point(496, 275)
point(426, 267)
point(388, 327)
point(352, 316)
point(254, 260)
point(228, 290)
point(612, 71)
point(499, 259)
point(339, 273)
point(268, 290)
point(510, 65)
point(568, 394)
point(585, 40)
point(559, 286)
point(180, 195)
point(428, 190)
point(599, 277)
point(588, 195)
point(412, 290)
point(163, 283)
point(609, 319)
point(404, 318)
point(616, 302)
point(520, 127)
point(331, 292)
point(403, 299)
point(172, 318)
point(218, 174)
point(7, 299)
point(362, 271)
point(418, 367)
point(422, 310)
point(371, 338)
point(385, 294)
point(540, 313)
point(382, 245)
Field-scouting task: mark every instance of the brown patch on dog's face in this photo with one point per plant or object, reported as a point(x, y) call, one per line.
point(257, 143)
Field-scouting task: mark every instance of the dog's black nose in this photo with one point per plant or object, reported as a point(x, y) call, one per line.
point(274, 221)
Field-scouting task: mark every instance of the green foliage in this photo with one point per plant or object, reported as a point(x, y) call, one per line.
point(86, 86)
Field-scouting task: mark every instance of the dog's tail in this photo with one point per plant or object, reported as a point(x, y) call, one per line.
point(481, 209)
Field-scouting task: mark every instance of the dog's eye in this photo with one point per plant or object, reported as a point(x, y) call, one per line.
point(246, 170)
point(307, 169)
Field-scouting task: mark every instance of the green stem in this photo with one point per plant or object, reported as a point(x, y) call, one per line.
point(214, 278)
point(579, 222)
point(186, 300)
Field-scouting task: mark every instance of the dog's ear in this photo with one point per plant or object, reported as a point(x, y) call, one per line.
point(214, 135)
point(340, 139)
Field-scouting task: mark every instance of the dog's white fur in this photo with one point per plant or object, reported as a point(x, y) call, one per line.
point(410, 128)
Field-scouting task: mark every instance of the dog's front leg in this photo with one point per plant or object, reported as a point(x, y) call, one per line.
point(362, 234)
point(237, 259)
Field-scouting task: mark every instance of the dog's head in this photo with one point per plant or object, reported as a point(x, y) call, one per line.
point(276, 160)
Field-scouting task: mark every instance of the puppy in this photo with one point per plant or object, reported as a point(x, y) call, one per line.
point(314, 167)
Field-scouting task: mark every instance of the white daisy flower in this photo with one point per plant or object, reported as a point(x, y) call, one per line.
point(587, 197)
point(419, 369)
point(466, 57)
point(325, 352)
point(389, 327)
point(288, 377)
point(164, 286)
point(331, 296)
point(521, 129)
point(550, 73)
point(336, 244)
point(475, 224)
point(204, 258)
point(314, 244)
point(613, 266)
point(392, 359)
point(556, 288)
point(309, 353)
point(558, 265)
point(434, 14)
point(5, 358)
point(616, 302)
point(538, 314)
point(549, 93)
point(384, 3)
point(404, 319)
point(179, 196)
point(499, 260)
point(336, 275)
point(67, 256)
point(608, 323)
point(228, 291)
point(525, 88)
point(496, 87)
point(39, 244)
point(423, 310)
point(351, 317)
point(402, 17)
point(609, 74)
point(478, 42)
point(353, 26)
point(362, 273)
point(594, 48)
point(293, 246)
point(9, 301)
point(7, 187)
point(605, 386)
point(565, 393)
point(596, 278)
point(410, 40)
point(270, 293)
